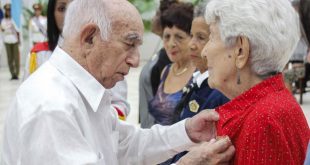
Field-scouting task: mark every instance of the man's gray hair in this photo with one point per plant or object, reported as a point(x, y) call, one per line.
point(82, 12)
point(272, 27)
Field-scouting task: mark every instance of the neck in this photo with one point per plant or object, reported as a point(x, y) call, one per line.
point(74, 50)
point(182, 64)
point(247, 79)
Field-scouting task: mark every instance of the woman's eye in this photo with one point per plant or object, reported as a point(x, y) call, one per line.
point(179, 37)
point(61, 8)
point(166, 37)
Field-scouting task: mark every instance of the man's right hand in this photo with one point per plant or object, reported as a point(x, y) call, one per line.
point(209, 153)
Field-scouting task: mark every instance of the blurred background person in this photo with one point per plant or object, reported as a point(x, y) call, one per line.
point(176, 24)
point(42, 51)
point(296, 71)
point(11, 41)
point(150, 73)
point(246, 54)
point(198, 96)
point(37, 25)
point(304, 12)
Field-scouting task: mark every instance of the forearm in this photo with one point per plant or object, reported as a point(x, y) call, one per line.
point(155, 145)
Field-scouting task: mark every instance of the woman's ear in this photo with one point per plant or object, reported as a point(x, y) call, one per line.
point(88, 34)
point(243, 51)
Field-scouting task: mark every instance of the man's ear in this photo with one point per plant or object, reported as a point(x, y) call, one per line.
point(88, 34)
point(242, 51)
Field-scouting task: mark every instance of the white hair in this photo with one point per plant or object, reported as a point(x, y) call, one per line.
point(82, 12)
point(272, 27)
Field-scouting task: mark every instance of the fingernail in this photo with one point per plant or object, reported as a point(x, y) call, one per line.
point(227, 138)
point(212, 141)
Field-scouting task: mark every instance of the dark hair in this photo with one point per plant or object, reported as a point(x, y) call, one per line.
point(304, 11)
point(52, 29)
point(179, 15)
point(165, 4)
point(6, 14)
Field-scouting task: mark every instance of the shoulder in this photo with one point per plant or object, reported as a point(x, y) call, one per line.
point(47, 89)
point(41, 46)
point(165, 71)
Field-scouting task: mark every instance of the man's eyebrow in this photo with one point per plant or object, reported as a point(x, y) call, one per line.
point(133, 37)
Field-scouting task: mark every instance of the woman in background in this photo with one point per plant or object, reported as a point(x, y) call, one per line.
point(176, 23)
point(150, 73)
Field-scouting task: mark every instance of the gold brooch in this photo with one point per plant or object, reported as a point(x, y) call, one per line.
point(193, 106)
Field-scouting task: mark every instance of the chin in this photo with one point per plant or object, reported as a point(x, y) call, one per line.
point(211, 83)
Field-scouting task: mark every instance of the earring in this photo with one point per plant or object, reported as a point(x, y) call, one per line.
point(238, 76)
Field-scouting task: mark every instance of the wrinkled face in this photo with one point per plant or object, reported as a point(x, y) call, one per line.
point(111, 60)
point(199, 37)
point(176, 43)
point(59, 13)
point(221, 64)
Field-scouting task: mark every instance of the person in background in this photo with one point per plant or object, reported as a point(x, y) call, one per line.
point(68, 118)
point(11, 41)
point(198, 96)
point(250, 44)
point(176, 23)
point(42, 51)
point(305, 17)
point(37, 25)
point(150, 74)
point(304, 12)
point(297, 70)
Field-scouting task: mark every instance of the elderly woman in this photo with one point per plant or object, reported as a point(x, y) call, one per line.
point(249, 45)
point(176, 24)
point(199, 95)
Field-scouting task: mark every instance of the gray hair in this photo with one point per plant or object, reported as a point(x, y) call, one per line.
point(200, 9)
point(272, 27)
point(82, 12)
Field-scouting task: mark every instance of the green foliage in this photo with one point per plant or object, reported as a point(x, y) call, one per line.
point(145, 6)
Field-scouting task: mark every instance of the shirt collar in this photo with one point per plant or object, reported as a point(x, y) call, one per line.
point(200, 77)
point(90, 88)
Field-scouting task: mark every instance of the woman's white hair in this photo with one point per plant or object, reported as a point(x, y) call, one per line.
point(82, 12)
point(272, 27)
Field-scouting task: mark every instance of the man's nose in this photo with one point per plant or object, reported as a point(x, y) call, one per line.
point(134, 59)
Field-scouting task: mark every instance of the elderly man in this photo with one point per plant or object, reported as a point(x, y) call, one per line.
point(70, 121)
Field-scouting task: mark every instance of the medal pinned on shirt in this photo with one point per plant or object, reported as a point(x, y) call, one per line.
point(193, 106)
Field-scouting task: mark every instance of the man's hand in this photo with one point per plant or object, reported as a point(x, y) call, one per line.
point(201, 127)
point(209, 153)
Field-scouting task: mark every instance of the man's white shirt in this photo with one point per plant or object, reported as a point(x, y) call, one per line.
point(62, 115)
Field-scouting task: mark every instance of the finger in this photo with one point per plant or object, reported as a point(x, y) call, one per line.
point(227, 155)
point(210, 115)
point(221, 145)
point(212, 141)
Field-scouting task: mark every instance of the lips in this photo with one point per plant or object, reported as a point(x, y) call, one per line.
point(173, 53)
point(193, 56)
